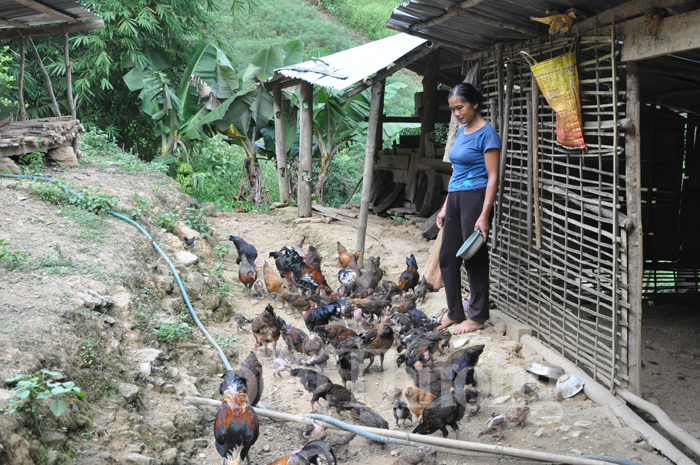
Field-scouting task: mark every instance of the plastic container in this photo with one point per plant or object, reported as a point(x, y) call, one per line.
point(471, 246)
point(569, 385)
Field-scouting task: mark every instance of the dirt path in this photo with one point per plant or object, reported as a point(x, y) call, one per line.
point(89, 297)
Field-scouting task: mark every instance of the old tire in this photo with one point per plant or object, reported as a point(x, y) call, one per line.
point(427, 193)
point(387, 197)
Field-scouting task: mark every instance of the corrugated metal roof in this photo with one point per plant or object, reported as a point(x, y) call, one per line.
point(345, 68)
point(10, 10)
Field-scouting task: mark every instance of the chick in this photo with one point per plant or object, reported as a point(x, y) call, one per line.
point(393, 395)
point(318, 361)
point(241, 321)
point(311, 432)
point(187, 243)
point(401, 412)
point(528, 392)
point(281, 365)
point(519, 415)
point(495, 424)
point(259, 289)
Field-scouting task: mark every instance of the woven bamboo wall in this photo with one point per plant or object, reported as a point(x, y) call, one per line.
point(564, 290)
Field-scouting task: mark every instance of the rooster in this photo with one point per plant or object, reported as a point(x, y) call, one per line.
point(309, 454)
point(322, 316)
point(307, 278)
point(243, 248)
point(236, 426)
point(409, 279)
point(282, 267)
point(344, 257)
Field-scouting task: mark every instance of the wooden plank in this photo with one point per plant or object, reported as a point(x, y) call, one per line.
point(434, 164)
point(676, 34)
point(8, 23)
point(52, 30)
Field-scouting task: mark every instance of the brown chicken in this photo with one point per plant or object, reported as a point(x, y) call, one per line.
point(417, 399)
point(252, 372)
point(339, 442)
point(314, 345)
point(495, 424)
point(273, 281)
point(518, 415)
point(370, 278)
point(267, 329)
point(409, 279)
point(421, 453)
point(296, 340)
point(338, 396)
point(334, 334)
point(247, 272)
point(365, 416)
point(377, 341)
point(309, 454)
point(344, 257)
point(373, 304)
point(313, 258)
point(297, 301)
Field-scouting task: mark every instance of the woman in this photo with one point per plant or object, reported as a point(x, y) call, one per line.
point(468, 207)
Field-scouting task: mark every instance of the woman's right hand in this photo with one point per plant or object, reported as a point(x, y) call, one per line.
point(440, 220)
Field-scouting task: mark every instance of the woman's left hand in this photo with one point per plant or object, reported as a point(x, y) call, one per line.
point(482, 224)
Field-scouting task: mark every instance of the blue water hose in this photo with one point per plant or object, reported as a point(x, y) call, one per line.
point(606, 458)
point(193, 314)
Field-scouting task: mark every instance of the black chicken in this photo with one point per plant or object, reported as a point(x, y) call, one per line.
point(402, 412)
point(313, 258)
point(348, 367)
point(282, 267)
point(314, 382)
point(365, 416)
point(446, 410)
point(243, 248)
point(322, 316)
point(307, 278)
point(188, 242)
point(236, 426)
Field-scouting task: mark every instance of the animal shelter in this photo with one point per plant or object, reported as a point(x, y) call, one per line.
point(581, 236)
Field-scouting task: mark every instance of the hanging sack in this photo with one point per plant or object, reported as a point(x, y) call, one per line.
point(557, 78)
point(431, 271)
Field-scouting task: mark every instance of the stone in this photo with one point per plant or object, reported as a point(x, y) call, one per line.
point(209, 208)
point(539, 432)
point(128, 391)
point(201, 443)
point(514, 329)
point(148, 355)
point(139, 459)
point(5, 396)
point(194, 284)
point(121, 300)
point(210, 301)
point(104, 456)
point(576, 434)
point(168, 456)
point(500, 400)
point(145, 369)
point(576, 452)
point(185, 258)
point(266, 448)
point(165, 282)
point(169, 389)
point(500, 328)
point(395, 453)
point(54, 439)
point(583, 424)
point(108, 320)
point(8, 166)
point(512, 346)
point(64, 156)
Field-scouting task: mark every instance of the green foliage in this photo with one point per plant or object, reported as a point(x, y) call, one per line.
point(31, 390)
point(50, 192)
point(98, 143)
point(32, 163)
point(399, 219)
point(10, 259)
point(221, 250)
point(174, 332)
point(8, 85)
point(222, 290)
point(346, 171)
point(364, 16)
point(195, 219)
point(93, 200)
point(184, 176)
point(167, 221)
point(224, 341)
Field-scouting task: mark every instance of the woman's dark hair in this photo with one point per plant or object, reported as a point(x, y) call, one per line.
point(468, 93)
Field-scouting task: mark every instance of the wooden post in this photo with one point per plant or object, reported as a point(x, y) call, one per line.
point(499, 74)
point(370, 150)
point(22, 110)
point(306, 98)
point(505, 124)
point(635, 255)
point(430, 82)
point(46, 76)
point(280, 144)
point(530, 143)
point(379, 139)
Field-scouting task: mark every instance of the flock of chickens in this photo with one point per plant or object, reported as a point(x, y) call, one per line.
point(387, 311)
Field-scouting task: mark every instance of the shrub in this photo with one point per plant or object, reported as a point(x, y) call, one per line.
point(174, 332)
point(167, 221)
point(194, 218)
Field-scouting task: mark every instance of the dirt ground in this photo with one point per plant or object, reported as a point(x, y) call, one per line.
point(90, 295)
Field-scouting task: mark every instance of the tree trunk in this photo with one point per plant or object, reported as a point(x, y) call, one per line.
point(46, 76)
point(319, 189)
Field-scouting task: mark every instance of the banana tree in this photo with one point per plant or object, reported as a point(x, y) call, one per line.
point(248, 116)
point(338, 121)
point(180, 115)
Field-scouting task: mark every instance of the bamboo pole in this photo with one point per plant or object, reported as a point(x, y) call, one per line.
point(56, 110)
point(504, 154)
point(370, 150)
point(530, 142)
point(280, 144)
point(615, 225)
point(69, 76)
point(499, 71)
point(306, 97)
point(535, 160)
point(22, 110)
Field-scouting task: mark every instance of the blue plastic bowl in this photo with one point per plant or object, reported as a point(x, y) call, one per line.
point(471, 246)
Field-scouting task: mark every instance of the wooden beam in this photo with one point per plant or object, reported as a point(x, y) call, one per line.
point(280, 144)
point(446, 43)
point(8, 23)
point(47, 9)
point(635, 254)
point(675, 34)
point(52, 30)
point(367, 179)
point(627, 10)
point(385, 73)
point(451, 11)
point(306, 122)
point(525, 30)
point(452, 65)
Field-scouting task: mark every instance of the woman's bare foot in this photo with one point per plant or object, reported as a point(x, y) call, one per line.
point(446, 323)
point(468, 326)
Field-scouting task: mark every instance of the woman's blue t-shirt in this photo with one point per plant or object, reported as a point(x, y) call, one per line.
point(467, 157)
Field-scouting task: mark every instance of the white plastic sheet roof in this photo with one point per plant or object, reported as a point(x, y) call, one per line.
point(345, 68)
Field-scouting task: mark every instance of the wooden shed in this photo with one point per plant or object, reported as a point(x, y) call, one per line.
point(580, 236)
point(56, 136)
